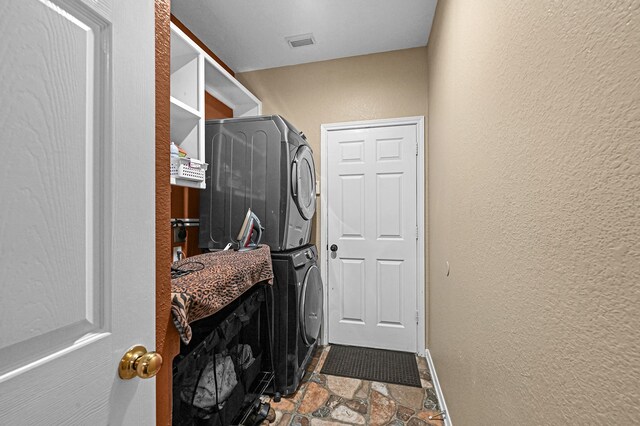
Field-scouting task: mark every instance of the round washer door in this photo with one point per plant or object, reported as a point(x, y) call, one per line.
point(303, 182)
point(311, 306)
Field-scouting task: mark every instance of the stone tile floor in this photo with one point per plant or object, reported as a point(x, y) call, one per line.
point(325, 400)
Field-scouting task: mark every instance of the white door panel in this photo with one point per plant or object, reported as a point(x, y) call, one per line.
point(372, 220)
point(77, 232)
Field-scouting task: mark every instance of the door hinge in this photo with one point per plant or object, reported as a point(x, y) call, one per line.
point(417, 317)
point(416, 149)
point(416, 232)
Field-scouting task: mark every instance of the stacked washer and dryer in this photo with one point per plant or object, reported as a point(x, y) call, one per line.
point(265, 164)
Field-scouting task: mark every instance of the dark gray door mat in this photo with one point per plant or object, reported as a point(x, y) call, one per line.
point(372, 364)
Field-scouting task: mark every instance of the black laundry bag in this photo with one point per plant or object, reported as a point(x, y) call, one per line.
point(213, 374)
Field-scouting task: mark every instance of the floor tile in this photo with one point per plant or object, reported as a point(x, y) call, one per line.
point(326, 400)
point(343, 386)
point(314, 398)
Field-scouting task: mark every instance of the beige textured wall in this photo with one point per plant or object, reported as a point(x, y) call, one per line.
point(383, 85)
point(534, 184)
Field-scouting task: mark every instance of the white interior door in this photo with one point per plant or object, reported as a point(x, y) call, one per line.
point(77, 230)
point(372, 232)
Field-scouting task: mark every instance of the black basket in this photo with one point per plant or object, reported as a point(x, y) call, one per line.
point(212, 374)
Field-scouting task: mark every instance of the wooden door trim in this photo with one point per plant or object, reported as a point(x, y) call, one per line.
point(167, 339)
point(421, 292)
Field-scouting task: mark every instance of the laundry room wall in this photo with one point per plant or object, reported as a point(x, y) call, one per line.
point(368, 87)
point(534, 173)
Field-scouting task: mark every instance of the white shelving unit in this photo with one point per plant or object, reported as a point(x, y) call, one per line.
point(193, 72)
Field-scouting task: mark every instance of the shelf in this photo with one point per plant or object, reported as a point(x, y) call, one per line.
point(184, 83)
point(193, 72)
point(186, 72)
point(219, 83)
point(185, 128)
point(181, 50)
point(182, 111)
point(188, 183)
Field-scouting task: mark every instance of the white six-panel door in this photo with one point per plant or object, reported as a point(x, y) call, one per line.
point(371, 209)
point(77, 208)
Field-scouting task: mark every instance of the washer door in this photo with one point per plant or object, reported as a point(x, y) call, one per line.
point(303, 182)
point(311, 306)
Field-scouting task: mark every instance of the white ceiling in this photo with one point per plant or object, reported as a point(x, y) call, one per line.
point(250, 34)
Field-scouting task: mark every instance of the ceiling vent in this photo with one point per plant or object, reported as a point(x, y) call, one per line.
point(301, 40)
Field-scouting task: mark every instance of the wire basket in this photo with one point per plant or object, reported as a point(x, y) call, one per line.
point(188, 168)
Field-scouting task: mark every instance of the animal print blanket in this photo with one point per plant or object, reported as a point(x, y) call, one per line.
point(225, 276)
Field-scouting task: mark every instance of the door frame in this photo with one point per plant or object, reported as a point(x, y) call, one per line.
point(421, 292)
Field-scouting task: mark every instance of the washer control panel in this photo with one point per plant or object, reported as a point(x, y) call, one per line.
point(303, 257)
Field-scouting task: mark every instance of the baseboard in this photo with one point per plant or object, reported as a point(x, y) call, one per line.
point(438, 389)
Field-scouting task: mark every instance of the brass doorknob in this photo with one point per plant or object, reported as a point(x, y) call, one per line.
point(138, 362)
